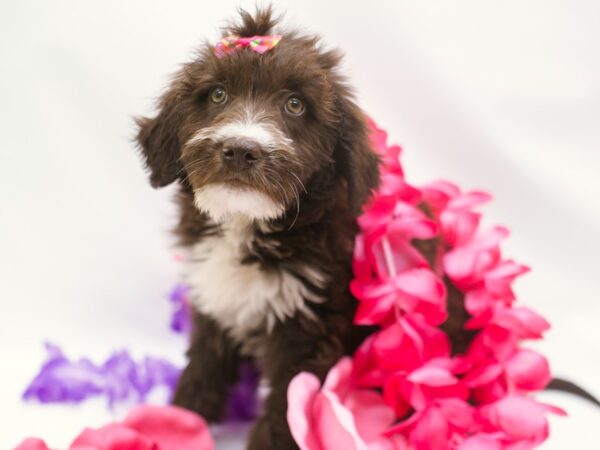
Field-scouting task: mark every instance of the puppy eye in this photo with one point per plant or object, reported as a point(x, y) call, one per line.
point(218, 95)
point(294, 106)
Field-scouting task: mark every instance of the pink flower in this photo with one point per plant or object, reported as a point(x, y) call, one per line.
point(517, 419)
point(402, 347)
point(496, 289)
point(336, 416)
point(523, 371)
point(389, 154)
point(467, 265)
point(504, 330)
point(423, 386)
point(145, 428)
point(455, 209)
point(417, 291)
point(440, 426)
point(388, 214)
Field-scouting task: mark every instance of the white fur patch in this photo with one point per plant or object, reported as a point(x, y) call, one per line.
point(244, 298)
point(251, 125)
point(257, 131)
point(221, 202)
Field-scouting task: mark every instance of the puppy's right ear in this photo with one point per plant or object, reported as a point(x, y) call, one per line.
point(158, 141)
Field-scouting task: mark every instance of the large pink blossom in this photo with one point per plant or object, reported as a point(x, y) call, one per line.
point(336, 416)
point(145, 428)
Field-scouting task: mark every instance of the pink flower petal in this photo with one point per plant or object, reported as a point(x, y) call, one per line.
point(519, 417)
point(458, 227)
point(371, 415)
point(423, 292)
point(483, 374)
point(338, 377)
point(113, 436)
point(366, 372)
point(458, 413)
point(499, 279)
point(432, 376)
point(526, 323)
point(431, 431)
point(302, 392)
point(374, 311)
point(469, 200)
point(478, 301)
point(528, 370)
point(170, 427)
point(466, 265)
point(480, 442)
point(412, 228)
point(393, 255)
point(32, 444)
point(396, 391)
point(335, 424)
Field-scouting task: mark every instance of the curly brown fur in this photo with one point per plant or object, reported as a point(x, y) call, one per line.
point(310, 179)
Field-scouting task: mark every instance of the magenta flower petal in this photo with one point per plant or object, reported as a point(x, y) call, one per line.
point(422, 292)
point(481, 442)
point(431, 431)
point(528, 370)
point(521, 418)
point(114, 436)
point(499, 279)
point(467, 265)
point(336, 415)
point(527, 323)
point(432, 376)
point(301, 395)
point(170, 427)
point(32, 444)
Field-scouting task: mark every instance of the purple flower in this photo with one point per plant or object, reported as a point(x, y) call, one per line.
point(180, 320)
point(120, 378)
point(243, 399)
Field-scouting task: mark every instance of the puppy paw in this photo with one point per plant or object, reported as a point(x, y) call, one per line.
point(200, 397)
point(269, 434)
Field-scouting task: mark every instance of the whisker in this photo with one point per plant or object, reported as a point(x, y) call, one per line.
point(299, 181)
point(297, 208)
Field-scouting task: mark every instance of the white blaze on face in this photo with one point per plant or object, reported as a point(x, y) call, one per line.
point(252, 125)
point(221, 201)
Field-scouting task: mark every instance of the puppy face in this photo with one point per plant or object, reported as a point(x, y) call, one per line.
point(253, 134)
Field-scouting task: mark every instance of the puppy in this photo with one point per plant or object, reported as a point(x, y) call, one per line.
point(273, 164)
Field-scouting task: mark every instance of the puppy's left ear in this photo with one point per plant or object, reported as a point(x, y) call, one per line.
point(158, 141)
point(356, 161)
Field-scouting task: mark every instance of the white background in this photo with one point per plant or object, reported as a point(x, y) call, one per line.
point(500, 95)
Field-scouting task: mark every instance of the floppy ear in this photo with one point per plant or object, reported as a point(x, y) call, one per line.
point(357, 162)
point(158, 141)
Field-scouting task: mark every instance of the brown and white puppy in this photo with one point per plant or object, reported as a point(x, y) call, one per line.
point(273, 162)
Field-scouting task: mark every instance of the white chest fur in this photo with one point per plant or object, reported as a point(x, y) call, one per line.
point(244, 298)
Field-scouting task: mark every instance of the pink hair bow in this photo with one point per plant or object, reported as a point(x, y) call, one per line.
point(259, 44)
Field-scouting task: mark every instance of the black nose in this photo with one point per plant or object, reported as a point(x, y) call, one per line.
point(241, 153)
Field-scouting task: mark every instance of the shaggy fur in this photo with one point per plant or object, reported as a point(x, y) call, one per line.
point(270, 238)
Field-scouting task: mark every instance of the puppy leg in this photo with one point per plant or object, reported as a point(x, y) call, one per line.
point(299, 344)
point(212, 368)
